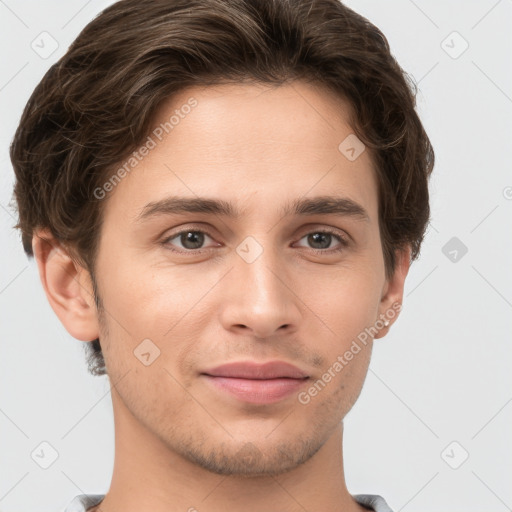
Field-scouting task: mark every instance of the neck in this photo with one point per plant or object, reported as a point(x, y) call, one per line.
point(148, 475)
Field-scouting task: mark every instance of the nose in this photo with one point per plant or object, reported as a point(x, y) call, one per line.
point(258, 297)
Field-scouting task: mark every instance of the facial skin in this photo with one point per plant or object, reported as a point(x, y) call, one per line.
point(180, 442)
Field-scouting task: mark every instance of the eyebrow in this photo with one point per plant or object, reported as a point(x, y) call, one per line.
point(322, 205)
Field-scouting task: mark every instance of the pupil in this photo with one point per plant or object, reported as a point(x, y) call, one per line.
point(194, 238)
point(314, 238)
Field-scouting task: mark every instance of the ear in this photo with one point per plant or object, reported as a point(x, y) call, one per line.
point(67, 285)
point(393, 291)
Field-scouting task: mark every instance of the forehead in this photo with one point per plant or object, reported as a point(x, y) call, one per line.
point(258, 144)
point(244, 119)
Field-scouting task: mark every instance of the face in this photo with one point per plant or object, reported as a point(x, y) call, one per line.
point(186, 290)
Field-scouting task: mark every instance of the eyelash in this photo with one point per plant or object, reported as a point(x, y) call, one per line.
point(343, 241)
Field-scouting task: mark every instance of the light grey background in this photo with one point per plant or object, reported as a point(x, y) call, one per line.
point(441, 375)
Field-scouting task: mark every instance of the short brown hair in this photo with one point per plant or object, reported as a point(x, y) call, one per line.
point(96, 104)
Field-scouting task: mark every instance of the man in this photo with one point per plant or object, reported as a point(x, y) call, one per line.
point(224, 198)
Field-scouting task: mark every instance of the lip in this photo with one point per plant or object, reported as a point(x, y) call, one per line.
point(252, 370)
point(256, 383)
point(256, 391)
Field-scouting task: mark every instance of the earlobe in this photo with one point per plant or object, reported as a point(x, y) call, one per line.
point(67, 286)
point(393, 292)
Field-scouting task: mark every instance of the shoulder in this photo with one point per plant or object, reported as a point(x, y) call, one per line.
point(374, 502)
point(85, 503)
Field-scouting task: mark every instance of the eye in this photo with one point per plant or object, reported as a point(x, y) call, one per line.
point(190, 240)
point(321, 241)
point(193, 240)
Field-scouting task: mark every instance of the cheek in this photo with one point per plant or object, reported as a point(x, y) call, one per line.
point(151, 299)
point(164, 304)
point(345, 307)
point(340, 384)
point(344, 301)
point(352, 378)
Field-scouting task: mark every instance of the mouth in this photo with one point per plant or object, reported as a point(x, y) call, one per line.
point(256, 383)
point(256, 391)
